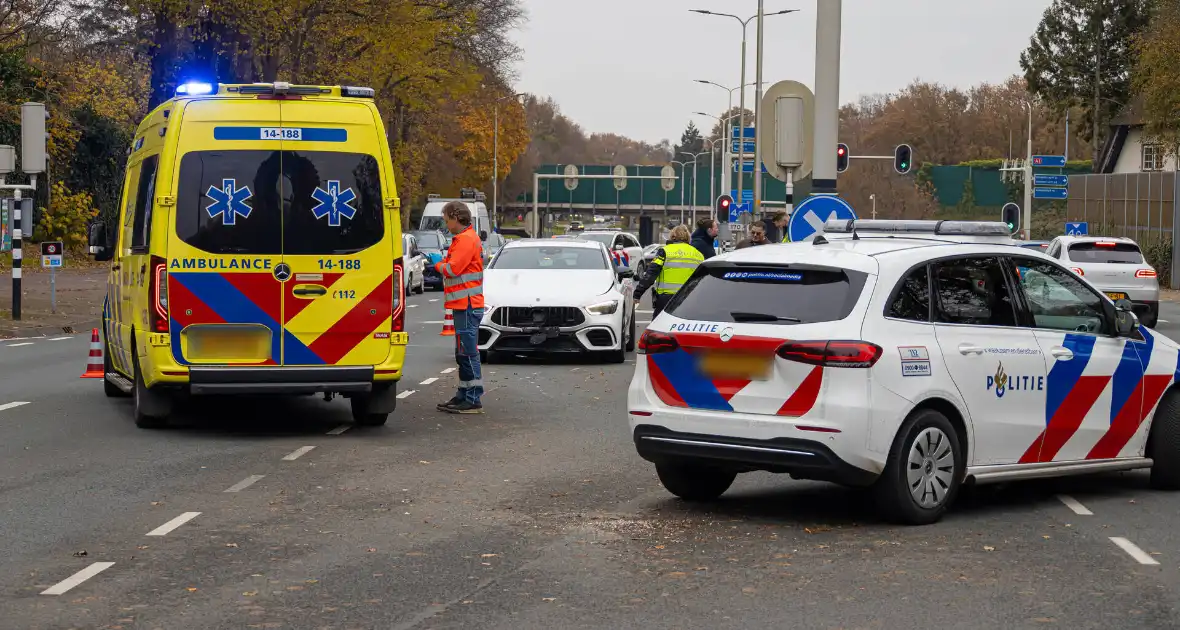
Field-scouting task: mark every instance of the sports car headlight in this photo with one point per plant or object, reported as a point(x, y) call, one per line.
point(604, 308)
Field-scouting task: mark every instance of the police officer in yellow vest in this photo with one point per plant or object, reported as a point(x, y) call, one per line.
point(671, 268)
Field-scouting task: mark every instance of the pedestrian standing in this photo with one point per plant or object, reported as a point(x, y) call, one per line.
point(775, 226)
point(462, 272)
point(757, 237)
point(704, 236)
point(671, 268)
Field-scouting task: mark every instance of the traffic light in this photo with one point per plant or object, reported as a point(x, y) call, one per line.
point(1011, 216)
point(724, 203)
point(902, 158)
point(841, 157)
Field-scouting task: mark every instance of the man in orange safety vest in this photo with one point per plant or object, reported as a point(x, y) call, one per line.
point(462, 272)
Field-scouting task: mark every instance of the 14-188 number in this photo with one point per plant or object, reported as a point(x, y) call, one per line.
point(346, 264)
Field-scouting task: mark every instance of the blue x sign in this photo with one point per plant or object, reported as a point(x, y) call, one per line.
point(334, 203)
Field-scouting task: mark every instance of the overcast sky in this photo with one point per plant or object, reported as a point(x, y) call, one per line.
point(612, 65)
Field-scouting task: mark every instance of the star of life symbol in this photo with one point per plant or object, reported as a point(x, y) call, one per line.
point(229, 201)
point(334, 203)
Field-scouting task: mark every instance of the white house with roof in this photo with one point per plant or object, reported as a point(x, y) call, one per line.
point(1127, 150)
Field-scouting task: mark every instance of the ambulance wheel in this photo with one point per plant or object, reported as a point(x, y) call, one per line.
point(109, 388)
point(151, 408)
point(924, 470)
point(694, 482)
point(362, 416)
point(1163, 443)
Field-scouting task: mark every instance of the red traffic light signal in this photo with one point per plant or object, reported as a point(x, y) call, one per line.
point(724, 202)
point(841, 157)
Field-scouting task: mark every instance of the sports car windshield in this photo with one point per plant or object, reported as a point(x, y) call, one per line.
point(565, 258)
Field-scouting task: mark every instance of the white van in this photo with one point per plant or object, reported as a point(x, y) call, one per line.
point(432, 218)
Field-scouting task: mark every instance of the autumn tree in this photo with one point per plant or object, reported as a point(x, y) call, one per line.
point(1081, 55)
point(1157, 74)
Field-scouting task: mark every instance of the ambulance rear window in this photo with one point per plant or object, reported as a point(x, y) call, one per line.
point(279, 202)
point(770, 295)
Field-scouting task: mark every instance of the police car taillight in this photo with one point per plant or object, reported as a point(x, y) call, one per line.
point(652, 342)
point(158, 294)
point(852, 354)
point(399, 296)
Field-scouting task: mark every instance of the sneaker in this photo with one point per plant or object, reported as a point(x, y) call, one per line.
point(465, 407)
point(449, 404)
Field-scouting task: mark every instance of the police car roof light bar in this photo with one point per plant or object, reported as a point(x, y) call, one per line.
point(943, 228)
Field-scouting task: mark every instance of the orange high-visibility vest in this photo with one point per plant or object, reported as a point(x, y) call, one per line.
point(462, 272)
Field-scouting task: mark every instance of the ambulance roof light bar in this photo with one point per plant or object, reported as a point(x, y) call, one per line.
point(196, 88)
point(903, 226)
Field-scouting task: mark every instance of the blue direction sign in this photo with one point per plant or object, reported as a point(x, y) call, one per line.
point(1078, 228)
point(747, 166)
point(749, 133)
point(736, 209)
point(747, 147)
point(1051, 180)
point(1050, 193)
point(747, 195)
point(809, 217)
point(1048, 160)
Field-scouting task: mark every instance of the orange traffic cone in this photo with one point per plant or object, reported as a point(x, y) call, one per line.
point(94, 366)
point(448, 325)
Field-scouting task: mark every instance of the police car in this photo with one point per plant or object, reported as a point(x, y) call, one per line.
point(909, 357)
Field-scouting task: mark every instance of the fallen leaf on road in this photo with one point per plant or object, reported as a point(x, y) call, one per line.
point(548, 599)
point(311, 581)
point(191, 589)
point(749, 589)
point(80, 554)
point(371, 549)
point(987, 548)
point(231, 544)
point(1045, 537)
point(250, 593)
point(491, 555)
point(677, 574)
point(142, 547)
point(422, 461)
point(662, 546)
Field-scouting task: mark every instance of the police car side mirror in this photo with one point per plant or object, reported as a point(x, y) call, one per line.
point(625, 271)
point(1126, 321)
point(620, 247)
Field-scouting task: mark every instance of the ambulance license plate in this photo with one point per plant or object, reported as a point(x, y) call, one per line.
point(754, 367)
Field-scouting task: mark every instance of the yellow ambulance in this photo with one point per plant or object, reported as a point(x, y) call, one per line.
point(258, 251)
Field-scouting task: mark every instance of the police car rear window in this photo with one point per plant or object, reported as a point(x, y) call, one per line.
point(771, 295)
point(279, 202)
point(1105, 252)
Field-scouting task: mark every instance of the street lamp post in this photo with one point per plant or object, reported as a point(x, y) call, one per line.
point(496, 157)
point(696, 177)
point(682, 187)
point(725, 153)
point(742, 105)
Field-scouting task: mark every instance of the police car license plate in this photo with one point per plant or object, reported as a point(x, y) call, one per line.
point(1117, 296)
point(736, 365)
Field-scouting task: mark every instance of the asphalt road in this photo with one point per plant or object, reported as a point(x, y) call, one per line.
point(535, 515)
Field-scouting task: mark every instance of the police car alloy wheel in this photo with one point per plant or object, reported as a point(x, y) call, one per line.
point(1163, 444)
point(924, 470)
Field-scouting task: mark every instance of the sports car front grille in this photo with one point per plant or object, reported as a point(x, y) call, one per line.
point(540, 316)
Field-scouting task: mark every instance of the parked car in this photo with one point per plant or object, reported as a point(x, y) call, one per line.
point(563, 296)
point(623, 246)
point(1040, 246)
point(415, 262)
point(492, 245)
point(434, 246)
point(1115, 266)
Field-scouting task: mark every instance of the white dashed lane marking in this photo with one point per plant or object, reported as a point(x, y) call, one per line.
point(429, 380)
point(1133, 550)
point(61, 338)
point(434, 300)
point(340, 429)
point(448, 370)
point(12, 405)
point(297, 453)
point(412, 306)
point(77, 578)
point(1074, 505)
point(245, 483)
point(173, 524)
point(643, 311)
point(407, 393)
point(17, 345)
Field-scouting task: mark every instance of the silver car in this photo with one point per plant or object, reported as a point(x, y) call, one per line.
point(1115, 266)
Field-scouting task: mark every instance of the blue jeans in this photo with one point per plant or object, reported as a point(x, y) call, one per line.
point(467, 353)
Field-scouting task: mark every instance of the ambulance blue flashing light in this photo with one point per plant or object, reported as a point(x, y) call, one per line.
point(195, 88)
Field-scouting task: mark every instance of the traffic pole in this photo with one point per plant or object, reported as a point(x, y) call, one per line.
point(755, 212)
point(16, 255)
point(827, 96)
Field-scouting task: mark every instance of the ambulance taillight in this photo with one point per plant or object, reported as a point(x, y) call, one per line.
point(158, 295)
point(399, 296)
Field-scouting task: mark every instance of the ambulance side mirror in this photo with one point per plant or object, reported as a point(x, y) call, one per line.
point(97, 238)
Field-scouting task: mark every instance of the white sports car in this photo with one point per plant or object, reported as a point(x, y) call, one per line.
point(557, 296)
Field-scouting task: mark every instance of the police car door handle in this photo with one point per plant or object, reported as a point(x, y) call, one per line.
point(1062, 353)
point(966, 348)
